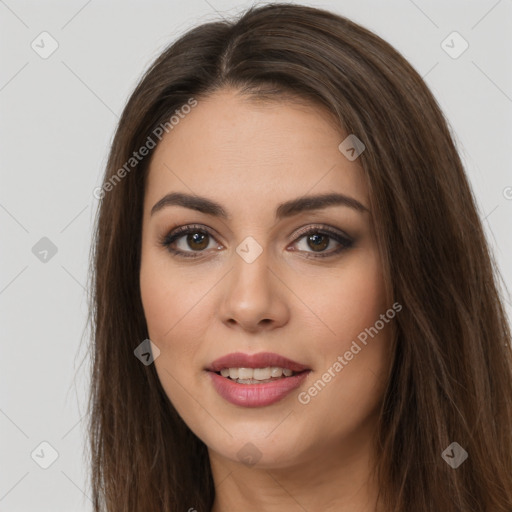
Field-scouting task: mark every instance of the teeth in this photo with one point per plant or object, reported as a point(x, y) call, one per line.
point(243, 373)
point(247, 375)
point(275, 371)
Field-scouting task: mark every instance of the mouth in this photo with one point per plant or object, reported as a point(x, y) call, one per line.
point(257, 375)
point(256, 380)
point(258, 361)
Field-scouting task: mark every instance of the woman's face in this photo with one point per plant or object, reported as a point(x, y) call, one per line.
point(298, 283)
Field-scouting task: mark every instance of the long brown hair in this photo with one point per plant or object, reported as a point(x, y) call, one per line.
point(451, 377)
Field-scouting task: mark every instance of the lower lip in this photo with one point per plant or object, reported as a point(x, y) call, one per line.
point(256, 395)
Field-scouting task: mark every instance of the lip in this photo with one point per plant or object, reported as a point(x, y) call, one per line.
point(256, 395)
point(259, 360)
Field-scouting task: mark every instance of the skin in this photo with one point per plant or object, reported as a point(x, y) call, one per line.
point(250, 157)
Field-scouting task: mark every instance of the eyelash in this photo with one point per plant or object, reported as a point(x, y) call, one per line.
point(178, 233)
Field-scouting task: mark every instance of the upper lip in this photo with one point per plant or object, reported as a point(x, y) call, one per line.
point(259, 360)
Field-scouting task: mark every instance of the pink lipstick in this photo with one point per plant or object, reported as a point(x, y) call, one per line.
point(238, 383)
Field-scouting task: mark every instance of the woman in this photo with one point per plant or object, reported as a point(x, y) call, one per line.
point(294, 305)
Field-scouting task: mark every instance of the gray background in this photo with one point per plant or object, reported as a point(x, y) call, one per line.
point(57, 119)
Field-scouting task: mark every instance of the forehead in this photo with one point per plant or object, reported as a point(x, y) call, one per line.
point(250, 154)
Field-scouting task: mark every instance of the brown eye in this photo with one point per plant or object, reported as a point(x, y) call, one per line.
point(198, 241)
point(187, 241)
point(318, 242)
point(191, 241)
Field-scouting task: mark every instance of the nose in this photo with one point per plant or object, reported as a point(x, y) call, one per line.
point(254, 298)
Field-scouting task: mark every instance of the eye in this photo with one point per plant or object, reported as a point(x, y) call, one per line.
point(195, 237)
point(198, 239)
point(320, 238)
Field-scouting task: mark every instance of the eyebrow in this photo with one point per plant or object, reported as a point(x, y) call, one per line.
point(284, 210)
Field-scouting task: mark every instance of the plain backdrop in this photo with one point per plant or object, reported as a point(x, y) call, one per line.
point(58, 115)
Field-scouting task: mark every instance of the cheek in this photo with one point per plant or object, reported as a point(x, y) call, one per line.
point(174, 308)
point(157, 301)
point(352, 307)
point(350, 301)
point(361, 300)
point(169, 313)
point(167, 298)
